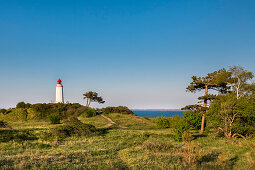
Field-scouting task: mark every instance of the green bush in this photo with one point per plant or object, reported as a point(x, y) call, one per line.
point(8, 135)
point(54, 118)
point(43, 146)
point(3, 124)
point(119, 109)
point(232, 115)
point(23, 105)
point(90, 112)
point(180, 127)
point(73, 127)
point(162, 122)
point(173, 120)
point(3, 111)
point(193, 118)
point(41, 111)
point(14, 115)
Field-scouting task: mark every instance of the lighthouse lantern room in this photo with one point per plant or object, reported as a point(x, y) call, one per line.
point(59, 92)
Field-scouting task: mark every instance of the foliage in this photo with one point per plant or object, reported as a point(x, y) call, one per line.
point(239, 79)
point(54, 118)
point(3, 111)
point(41, 111)
point(23, 105)
point(173, 120)
point(18, 136)
point(3, 124)
point(90, 112)
point(73, 127)
point(92, 97)
point(14, 115)
point(218, 80)
point(187, 137)
point(193, 118)
point(162, 122)
point(232, 115)
point(119, 109)
point(180, 127)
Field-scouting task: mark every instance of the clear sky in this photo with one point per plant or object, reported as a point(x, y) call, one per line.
point(137, 53)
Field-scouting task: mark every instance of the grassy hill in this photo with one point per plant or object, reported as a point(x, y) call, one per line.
point(132, 143)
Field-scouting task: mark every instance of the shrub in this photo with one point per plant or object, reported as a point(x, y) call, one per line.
point(193, 118)
point(157, 146)
point(23, 105)
point(73, 127)
point(3, 124)
point(43, 146)
point(3, 111)
point(162, 122)
point(8, 135)
point(173, 120)
point(119, 109)
point(54, 118)
point(233, 116)
point(90, 112)
point(14, 115)
point(187, 137)
point(41, 111)
point(180, 127)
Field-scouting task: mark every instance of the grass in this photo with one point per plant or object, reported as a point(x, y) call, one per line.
point(132, 122)
point(139, 146)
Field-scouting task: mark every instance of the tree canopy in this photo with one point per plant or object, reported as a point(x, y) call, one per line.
point(92, 97)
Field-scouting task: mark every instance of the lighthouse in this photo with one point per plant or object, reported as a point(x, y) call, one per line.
point(59, 92)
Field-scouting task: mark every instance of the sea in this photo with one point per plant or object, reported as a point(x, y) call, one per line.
point(156, 113)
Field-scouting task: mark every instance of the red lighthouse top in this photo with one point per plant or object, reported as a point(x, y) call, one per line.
point(59, 81)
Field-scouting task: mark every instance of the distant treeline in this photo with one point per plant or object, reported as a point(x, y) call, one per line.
point(44, 111)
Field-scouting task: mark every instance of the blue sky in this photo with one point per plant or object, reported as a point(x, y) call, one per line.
point(140, 54)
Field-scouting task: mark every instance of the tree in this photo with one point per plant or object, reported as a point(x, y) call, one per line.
point(21, 105)
point(234, 117)
point(239, 79)
point(92, 97)
point(217, 80)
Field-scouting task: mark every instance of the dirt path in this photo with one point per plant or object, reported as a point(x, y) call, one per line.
point(111, 122)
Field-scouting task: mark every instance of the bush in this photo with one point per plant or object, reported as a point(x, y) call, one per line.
point(193, 118)
point(54, 118)
point(41, 111)
point(14, 115)
point(23, 105)
point(3, 111)
point(8, 135)
point(119, 109)
point(3, 124)
point(73, 127)
point(162, 122)
point(180, 127)
point(173, 120)
point(90, 112)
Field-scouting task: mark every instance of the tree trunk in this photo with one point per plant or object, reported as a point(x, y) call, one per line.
point(202, 124)
point(205, 105)
point(87, 102)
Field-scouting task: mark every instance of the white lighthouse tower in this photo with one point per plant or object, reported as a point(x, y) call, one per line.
point(59, 92)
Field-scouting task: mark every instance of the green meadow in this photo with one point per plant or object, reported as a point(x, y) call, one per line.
point(131, 142)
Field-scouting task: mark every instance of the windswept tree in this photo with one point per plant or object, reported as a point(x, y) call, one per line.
point(92, 97)
point(217, 80)
point(239, 80)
